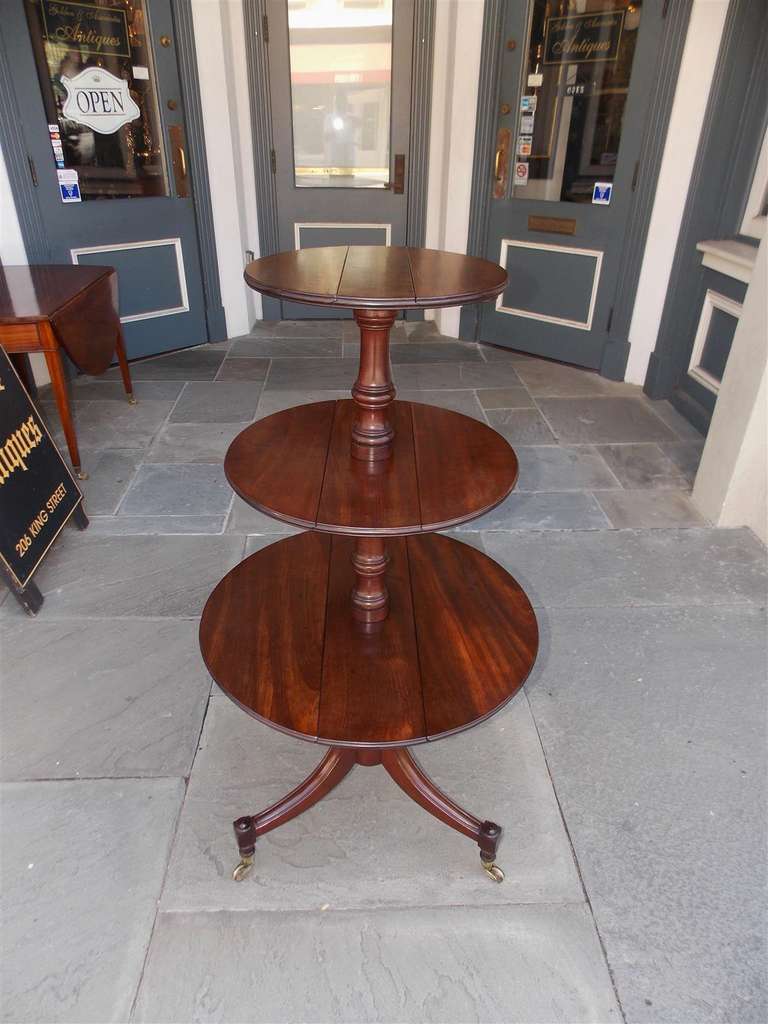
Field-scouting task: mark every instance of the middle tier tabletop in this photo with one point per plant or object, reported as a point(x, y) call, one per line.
point(445, 469)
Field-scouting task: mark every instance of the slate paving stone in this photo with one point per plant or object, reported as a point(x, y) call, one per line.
point(118, 425)
point(83, 864)
point(296, 329)
point(521, 426)
point(243, 369)
point(547, 379)
point(459, 401)
point(188, 364)
point(127, 698)
point(184, 489)
point(366, 829)
point(504, 398)
point(653, 723)
point(428, 352)
point(416, 376)
point(193, 442)
point(667, 412)
point(87, 576)
point(603, 420)
point(640, 466)
point(532, 965)
point(686, 455)
point(297, 374)
point(284, 348)
point(500, 354)
point(554, 510)
point(120, 526)
point(109, 475)
point(276, 401)
point(562, 468)
point(245, 519)
point(650, 509)
point(636, 567)
point(85, 388)
point(217, 402)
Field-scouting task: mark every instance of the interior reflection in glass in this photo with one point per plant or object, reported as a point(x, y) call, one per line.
point(575, 90)
point(341, 72)
point(68, 37)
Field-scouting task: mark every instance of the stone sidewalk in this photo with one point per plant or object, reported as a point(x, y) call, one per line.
point(629, 774)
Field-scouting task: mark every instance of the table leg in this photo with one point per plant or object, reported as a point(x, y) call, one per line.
point(373, 391)
point(59, 382)
point(411, 778)
point(125, 373)
point(370, 597)
point(337, 763)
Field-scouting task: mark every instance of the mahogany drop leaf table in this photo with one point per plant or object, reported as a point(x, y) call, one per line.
point(368, 634)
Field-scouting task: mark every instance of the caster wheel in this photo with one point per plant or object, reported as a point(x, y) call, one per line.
point(243, 869)
point(493, 871)
point(131, 400)
point(80, 473)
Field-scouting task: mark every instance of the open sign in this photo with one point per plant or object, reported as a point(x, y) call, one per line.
point(99, 100)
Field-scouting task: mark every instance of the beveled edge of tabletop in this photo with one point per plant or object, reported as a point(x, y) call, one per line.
point(96, 272)
point(434, 278)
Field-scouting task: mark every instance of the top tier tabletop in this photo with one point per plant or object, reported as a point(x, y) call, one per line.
point(376, 277)
point(33, 293)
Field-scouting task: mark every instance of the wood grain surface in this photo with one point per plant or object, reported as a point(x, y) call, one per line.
point(296, 466)
point(277, 635)
point(371, 276)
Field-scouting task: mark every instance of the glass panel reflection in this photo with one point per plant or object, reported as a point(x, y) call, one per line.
point(575, 90)
point(341, 74)
point(97, 79)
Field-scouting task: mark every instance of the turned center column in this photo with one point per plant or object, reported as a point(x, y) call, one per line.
point(373, 391)
point(372, 435)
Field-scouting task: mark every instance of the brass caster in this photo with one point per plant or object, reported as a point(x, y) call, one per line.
point(492, 870)
point(80, 473)
point(131, 399)
point(243, 869)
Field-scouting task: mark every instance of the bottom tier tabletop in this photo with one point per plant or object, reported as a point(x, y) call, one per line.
point(277, 635)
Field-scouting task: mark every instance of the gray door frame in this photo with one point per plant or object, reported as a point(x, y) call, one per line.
point(726, 158)
point(676, 15)
point(25, 194)
point(257, 58)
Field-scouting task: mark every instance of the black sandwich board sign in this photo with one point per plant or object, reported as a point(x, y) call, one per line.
point(38, 494)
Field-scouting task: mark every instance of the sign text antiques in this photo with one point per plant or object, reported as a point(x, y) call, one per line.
point(583, 38)
point(91, 29)
point(37, 491)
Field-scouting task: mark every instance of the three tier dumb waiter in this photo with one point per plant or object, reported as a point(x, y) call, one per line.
point(369, 634)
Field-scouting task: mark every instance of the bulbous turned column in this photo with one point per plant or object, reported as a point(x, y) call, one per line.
point(373, 391)
point(370, 597)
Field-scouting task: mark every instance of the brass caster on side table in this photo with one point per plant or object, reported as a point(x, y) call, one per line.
point(131, 399)
point(492, 870)
point(80, 473)
point(243, 869)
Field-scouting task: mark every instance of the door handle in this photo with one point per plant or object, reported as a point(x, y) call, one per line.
point(501, 163)
point(397, 183)
point(179, 160)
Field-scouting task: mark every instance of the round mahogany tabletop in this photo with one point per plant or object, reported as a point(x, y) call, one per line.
point(376, 277)
point(460, 639)
point(446, 468)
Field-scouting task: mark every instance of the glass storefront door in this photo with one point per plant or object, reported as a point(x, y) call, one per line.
point(576, 78)
point(98, 87)
point(340, 85)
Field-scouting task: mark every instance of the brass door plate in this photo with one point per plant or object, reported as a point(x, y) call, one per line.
point(553, 225)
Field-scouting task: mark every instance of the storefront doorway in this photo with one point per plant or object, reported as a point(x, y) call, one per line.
point(101, 106)
point(340, 93)
point(575, 90)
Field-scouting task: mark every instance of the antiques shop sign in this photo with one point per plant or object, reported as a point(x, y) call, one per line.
point(101, 31)
point(583, 38)
point(37, 491)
